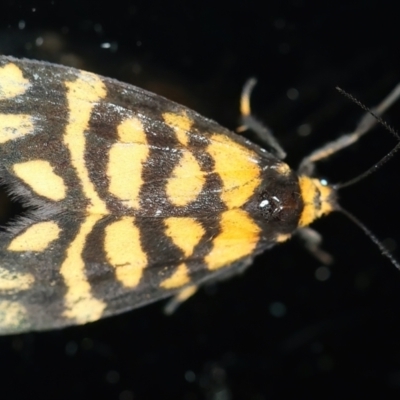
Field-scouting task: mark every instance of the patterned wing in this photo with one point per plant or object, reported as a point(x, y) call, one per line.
point(132, 197)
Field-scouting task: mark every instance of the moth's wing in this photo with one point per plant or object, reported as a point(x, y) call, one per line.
point(64, 116)
point(71, 143)
point(67, 277)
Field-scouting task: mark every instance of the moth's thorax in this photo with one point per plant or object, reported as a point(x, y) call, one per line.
point(277, 204)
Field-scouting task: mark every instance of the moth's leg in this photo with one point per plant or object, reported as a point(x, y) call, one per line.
point(250, 122)
point(366, 123)
point(312, 241)
point(179, 298)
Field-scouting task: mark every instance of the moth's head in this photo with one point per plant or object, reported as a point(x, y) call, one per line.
point(318, 197)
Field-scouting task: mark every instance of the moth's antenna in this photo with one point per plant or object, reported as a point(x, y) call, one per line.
point(369, 171)
point(394, 96)
point(370, 119)
point(380, 245)
point(367, 123)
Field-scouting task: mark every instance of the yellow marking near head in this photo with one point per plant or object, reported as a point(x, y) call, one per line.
point(12, 82)
point(238, 168)
point(14, 126)
point(124, 251)
point(317, 199)
point(179, 278)
point(186, 181)
point(82, 96)
point(39, 175)
point(238, 238)
point(10, 280)
point(181, 124)
point(37, 237)
point(13, 317)
point(186, 233)
point(80, 304)
point(125, 162)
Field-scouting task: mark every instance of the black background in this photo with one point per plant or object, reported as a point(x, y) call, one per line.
point(338, 337)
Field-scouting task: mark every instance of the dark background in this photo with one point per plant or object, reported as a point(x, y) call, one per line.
point(280, 330)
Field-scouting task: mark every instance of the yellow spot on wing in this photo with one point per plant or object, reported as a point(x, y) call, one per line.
point(186, 233)
point(124, 251)
point(36, 238)
point(131, 131)
point(39, 175)
point(126, 160)
point(238, 239)
point(13, 317)
point(12, 82)
point(14, 126)
point(181, 124)
point(10, 280)
point(186, 181)
point(187, 178)
point(83, 94)
point(238, 169)
point(179, 278)
point(80, 304)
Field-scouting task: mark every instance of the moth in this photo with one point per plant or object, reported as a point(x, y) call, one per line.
point(131, 197)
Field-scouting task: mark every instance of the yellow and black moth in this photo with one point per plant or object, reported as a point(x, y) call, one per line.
point(132, 197)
